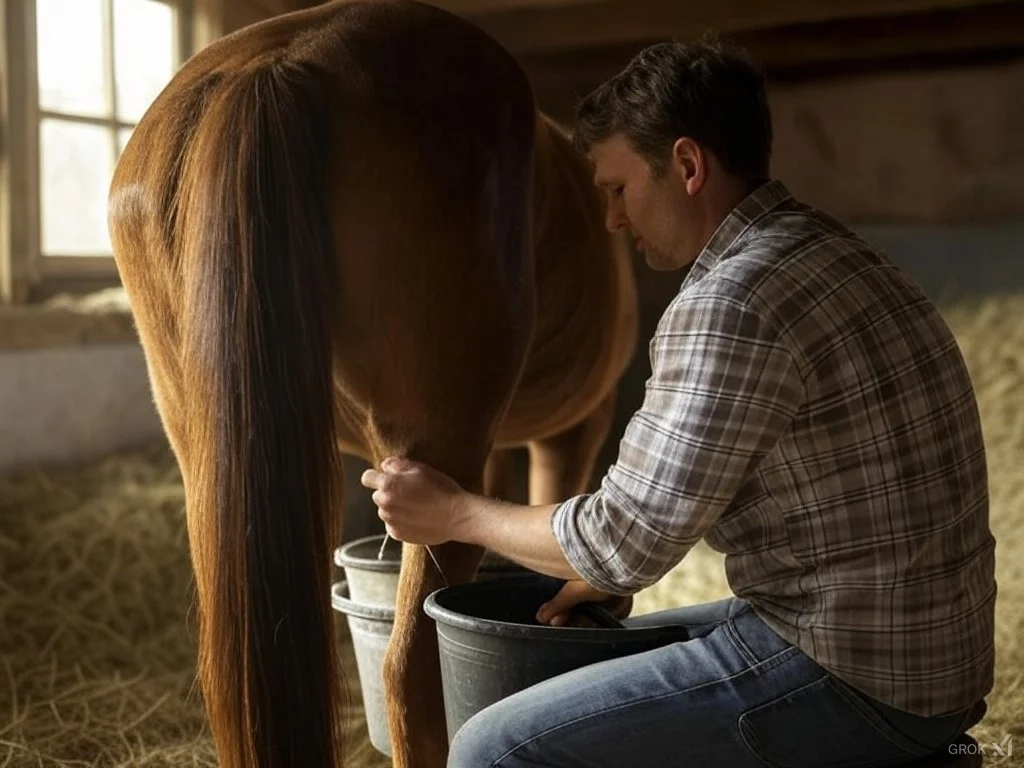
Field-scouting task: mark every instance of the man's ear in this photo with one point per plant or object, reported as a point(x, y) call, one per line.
point(689, 160)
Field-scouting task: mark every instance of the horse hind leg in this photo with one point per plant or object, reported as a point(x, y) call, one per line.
point(562, 465)
point(499, 477)
point(411, 670)
point(431, 363)
point(433, 388)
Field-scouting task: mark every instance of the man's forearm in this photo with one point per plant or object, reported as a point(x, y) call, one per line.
point(520, 533)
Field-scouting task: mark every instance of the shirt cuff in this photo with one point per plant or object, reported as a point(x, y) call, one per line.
point(577, 551)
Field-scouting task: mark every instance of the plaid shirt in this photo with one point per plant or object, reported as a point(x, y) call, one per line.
point(810, 415)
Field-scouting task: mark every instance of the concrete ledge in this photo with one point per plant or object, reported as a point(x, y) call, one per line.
point(68, 321)
point(63, 404)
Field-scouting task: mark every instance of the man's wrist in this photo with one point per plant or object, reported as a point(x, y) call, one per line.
point(465, 519)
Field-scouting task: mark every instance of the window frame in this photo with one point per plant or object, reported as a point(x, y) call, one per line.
point(26, 275)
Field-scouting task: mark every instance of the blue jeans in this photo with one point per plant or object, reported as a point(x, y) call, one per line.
point(734, 695)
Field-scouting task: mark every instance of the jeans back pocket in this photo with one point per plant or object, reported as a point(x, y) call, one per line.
point(822, 725)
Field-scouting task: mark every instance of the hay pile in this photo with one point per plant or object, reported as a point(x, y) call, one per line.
point(97, 652)
point(96, 656)
point(96, 639)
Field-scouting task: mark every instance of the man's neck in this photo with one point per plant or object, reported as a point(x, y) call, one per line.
point(730, 193)
point(721, 200)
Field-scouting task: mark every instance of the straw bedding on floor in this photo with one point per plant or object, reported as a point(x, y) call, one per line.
point(96, 635)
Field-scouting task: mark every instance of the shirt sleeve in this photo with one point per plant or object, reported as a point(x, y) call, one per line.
point(723, 390)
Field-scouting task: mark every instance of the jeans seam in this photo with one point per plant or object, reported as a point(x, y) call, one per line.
point(749, 738)
point(772, 661)
point(740, 644)
point(752, 743)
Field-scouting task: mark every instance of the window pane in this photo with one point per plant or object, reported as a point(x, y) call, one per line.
point(77, 164)
point(144, 53)
point(70, 56)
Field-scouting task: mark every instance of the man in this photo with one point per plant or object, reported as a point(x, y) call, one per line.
point(808, 414)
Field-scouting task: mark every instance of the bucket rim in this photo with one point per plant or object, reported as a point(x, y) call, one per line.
point(445, 617)
point(342, 603)
point(344, 557)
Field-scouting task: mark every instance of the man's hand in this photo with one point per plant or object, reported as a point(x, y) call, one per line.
point(418, 504)
point(422, 505)
point(557, 610)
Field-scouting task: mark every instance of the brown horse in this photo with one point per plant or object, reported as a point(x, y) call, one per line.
point(349, 229)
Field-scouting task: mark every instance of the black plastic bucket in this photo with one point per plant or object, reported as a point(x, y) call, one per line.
point(491, 645)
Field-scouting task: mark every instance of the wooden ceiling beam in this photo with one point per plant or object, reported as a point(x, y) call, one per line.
point(954, 37)
point(823, 48)
point(470, 7)
point(842, 35)
point(473, 7)
point(575, 25)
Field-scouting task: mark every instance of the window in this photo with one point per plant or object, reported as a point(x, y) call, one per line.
point(84, 71)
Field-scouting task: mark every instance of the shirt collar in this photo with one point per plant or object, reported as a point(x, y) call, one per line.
point(751, 208)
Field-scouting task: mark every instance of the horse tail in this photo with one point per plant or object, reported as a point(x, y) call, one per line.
point(264, 500)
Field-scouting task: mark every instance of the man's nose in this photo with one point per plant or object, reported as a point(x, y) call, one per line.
point(615, 218)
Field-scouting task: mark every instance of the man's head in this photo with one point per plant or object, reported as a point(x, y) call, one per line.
point(677, 138)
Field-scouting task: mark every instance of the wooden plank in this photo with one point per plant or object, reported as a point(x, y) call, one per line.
point(273, 7)
point(207, 22)
point(767, 12)
point(949, 37)
point(472, 7)
point(242, 13)
point(19, 188)
point(611, 22)
point(6, 214)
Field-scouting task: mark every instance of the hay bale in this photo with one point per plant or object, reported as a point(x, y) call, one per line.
point(97, 651)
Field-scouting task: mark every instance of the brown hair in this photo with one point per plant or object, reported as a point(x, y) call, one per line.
point(709, 91)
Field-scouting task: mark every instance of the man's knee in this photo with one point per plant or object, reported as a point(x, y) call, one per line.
point(501, 736)
point(477, 744)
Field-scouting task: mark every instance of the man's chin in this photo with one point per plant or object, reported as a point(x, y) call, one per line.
point(659, 262)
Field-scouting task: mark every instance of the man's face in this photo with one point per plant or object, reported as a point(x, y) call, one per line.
point(657, 212)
